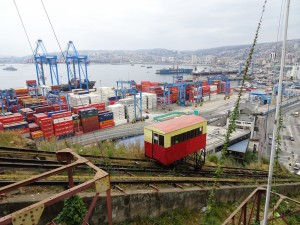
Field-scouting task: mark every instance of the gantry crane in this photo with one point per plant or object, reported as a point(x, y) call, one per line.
point(129, 87)
point(74, 63)
point(41, 58)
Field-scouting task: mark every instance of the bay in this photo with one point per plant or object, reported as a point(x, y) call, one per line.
point(103, 74)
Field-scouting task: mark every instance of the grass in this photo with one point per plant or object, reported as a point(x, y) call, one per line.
point(12, 139)
point(186, 217)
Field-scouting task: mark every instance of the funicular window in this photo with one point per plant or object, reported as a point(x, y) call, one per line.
point(186, 136)
point(158, 139)
point(161, 140)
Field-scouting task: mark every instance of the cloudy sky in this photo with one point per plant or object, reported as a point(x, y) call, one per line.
point(140, 24)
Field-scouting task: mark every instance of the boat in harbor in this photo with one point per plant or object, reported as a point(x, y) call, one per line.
point(174, 71)
point(10, 68)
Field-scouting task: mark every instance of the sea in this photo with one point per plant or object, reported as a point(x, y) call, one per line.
point(105, 75)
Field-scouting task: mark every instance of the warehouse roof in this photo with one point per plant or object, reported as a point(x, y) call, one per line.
point(240, 146)
point(176, 123)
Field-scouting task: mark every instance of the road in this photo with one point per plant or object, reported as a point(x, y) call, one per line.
point(290, 149)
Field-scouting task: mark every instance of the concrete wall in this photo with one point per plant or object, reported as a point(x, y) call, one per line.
point(151, 203)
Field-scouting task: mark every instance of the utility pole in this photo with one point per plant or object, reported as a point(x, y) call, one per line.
point(278, 99)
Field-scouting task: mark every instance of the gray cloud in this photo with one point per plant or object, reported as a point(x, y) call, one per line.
point(141, 24)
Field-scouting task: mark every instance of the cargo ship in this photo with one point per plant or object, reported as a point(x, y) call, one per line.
point(174, 71)
point(65, 87)
point(10, 68)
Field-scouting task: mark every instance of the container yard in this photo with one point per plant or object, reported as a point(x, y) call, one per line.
point(43, 112)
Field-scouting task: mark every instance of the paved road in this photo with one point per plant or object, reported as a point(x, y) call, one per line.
point(290, 149)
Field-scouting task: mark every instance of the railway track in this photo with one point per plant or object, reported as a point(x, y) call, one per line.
point(8, 163)
point(114, 165)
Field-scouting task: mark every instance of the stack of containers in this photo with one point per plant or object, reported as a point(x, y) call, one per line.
point(14, 122)
point(118, 111)
point(99, 106)
point(21, 91)
point(95, 98)
point(205, 92)
point(27, 114)
point(154, 84)
point(174, 91)
point(31, 102)
point(62, 106)
point(107, 94)
point(47, 127)
point(63, 124)
point(145, 86)
point(139, 87)
point(32, 83)
point(37, 134)
point(43, 109)
point(106, 119)
point(191, 95)
point(151, 100)
point(156, 90)
point(89, 119)
point(33, 127)
point(77, 124)
point(78, 100)
point(223, 84)
point(213, 92)
point(129, 108)
point(187, 91)
point(218, 83)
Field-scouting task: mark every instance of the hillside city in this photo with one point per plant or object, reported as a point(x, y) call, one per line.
point(220, 56)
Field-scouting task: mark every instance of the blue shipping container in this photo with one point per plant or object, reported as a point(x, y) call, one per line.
point(106, 116)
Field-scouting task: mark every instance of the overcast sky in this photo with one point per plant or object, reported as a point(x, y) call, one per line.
point(140, 24)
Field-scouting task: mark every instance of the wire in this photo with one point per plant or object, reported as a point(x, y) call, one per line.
point(53, 30)
point(24, 27)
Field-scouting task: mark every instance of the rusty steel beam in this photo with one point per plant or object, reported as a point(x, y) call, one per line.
point(252, 209)
point(101, 182)
point(241, 206)
point(256, 194)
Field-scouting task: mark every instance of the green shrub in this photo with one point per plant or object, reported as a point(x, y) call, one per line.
point(73, 212)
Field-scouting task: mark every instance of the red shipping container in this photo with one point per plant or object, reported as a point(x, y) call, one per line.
point(63, 124)
point(16, 117)
point(38, 117)
point(61, 115)
point(100, 106)
point(44, 109)
point(33, 127)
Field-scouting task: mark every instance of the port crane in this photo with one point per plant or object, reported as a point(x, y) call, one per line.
point(75, 64)
point(42, 58)
point(8, 101)
point(129, 87)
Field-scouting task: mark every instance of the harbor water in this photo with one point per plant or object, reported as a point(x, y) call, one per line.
point(103, 74)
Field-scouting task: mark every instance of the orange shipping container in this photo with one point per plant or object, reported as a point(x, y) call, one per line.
point(36, 134)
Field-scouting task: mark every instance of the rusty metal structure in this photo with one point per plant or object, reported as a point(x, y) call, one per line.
point(249, 211)
point(32, 214)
